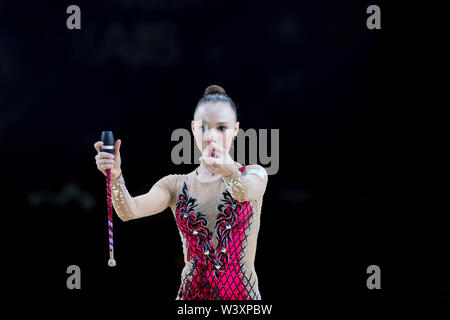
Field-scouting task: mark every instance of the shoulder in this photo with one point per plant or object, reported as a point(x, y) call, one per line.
point(171, 181)
point(175, 176)
point(256, 169)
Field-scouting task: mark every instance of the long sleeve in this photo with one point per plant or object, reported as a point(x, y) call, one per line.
point(248, 183)
point(122, 201)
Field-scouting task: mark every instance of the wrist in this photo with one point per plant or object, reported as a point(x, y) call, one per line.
point(233, 173)
point(118, 177)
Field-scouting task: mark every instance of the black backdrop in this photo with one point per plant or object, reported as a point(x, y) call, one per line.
point(355, 141)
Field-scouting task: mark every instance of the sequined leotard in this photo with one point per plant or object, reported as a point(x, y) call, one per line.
point(218, 226)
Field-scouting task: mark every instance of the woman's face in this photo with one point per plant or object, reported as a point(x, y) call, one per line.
point(214, 121)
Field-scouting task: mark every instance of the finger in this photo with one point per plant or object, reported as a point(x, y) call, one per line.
point(117, 147)
point(209, 168)
point(204, 159)
point(105, 166)
point(105, 161)
point(98, 145)
point(218, 161)
point(104, 155)
point(211, 161)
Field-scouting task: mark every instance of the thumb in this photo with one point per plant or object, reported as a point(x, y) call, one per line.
point(117, 147)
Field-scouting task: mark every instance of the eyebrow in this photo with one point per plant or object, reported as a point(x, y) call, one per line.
point(205, 122)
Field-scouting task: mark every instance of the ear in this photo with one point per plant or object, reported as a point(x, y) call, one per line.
point(236, 128)
point(192, 126)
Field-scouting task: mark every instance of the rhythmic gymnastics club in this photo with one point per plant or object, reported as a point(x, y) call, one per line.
point(108, 146)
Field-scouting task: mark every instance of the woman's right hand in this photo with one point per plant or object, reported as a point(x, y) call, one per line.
point(105, 160)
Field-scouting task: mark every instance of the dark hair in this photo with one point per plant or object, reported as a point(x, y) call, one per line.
point(215, 93)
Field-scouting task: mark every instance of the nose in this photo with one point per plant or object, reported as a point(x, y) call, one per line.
point(210, 135)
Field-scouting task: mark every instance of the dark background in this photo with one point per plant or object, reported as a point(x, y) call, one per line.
point(357, 133)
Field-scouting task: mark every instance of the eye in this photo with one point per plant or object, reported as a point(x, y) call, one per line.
point(222, 128)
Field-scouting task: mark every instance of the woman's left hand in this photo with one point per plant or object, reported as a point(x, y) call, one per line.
point(217, 160)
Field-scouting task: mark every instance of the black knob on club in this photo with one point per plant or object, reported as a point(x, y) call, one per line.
point(108, 142)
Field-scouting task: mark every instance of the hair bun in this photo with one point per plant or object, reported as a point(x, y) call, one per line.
point(214, 89)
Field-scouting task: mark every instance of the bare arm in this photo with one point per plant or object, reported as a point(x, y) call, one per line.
point(244, 184)
point(129, 208)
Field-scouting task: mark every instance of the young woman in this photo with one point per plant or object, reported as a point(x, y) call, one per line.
point(216, 207)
